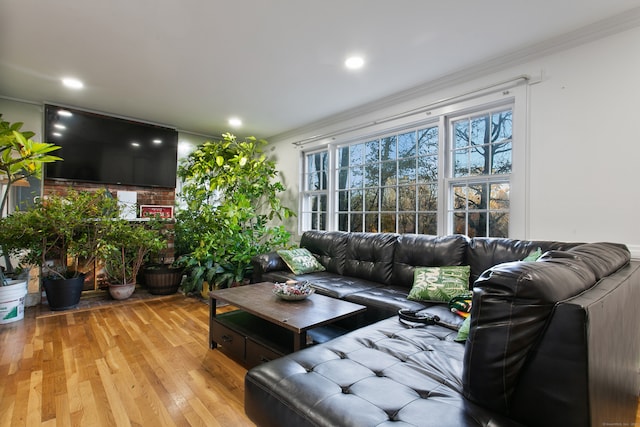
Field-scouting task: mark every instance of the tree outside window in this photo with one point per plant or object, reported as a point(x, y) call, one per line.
point(451, 175)
point(315, 192)
point(481, 154)
point(389, 184)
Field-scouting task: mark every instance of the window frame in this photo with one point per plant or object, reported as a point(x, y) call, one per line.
point(469, 180)
point(397, 160)
point(516, 97)
point(304, 221)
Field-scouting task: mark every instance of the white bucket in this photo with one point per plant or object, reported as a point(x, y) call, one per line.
point(12, 301)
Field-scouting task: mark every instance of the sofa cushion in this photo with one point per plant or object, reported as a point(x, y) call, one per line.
point(439, 284)
point(421, 250)
point(603, 258)
point(369, 256)
point(336, 286)
point(383, 302)
point(264, 263)
point(485, 252)
point(300, 260)
point(328, 246)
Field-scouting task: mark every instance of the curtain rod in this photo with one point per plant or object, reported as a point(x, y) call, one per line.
point(423, 109)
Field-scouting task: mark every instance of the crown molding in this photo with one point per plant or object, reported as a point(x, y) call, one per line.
point(601, 29)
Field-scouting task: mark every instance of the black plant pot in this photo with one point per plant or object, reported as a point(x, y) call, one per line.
point(162, 280)
point(63, 294)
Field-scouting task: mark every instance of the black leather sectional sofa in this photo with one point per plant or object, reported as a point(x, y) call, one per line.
point(552, 343)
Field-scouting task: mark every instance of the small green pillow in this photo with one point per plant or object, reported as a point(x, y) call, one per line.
point(300, 260)
point(533, 256)
point(439, 284)
point(463, 332)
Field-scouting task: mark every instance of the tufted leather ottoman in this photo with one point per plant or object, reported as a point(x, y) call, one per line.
point(383, 374)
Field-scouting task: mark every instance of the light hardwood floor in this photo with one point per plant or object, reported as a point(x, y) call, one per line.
point(140, 364)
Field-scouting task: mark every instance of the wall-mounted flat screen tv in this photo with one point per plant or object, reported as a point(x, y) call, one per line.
point(110, 150)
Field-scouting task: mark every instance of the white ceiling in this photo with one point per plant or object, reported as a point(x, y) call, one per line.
point(277, 64)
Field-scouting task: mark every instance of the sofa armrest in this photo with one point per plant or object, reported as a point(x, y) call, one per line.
point(589, 357)
point(264, 263)
point(558, 324)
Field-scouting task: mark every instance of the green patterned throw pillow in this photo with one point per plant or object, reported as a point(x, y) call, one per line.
point(533, 256)
point(439, 284)
point(300, 260)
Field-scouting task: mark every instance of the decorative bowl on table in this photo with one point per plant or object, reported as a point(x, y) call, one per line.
point(293, 290)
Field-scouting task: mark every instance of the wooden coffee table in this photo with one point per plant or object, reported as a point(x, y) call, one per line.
point(267, 324)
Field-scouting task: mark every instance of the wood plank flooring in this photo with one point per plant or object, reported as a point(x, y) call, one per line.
point(141, 364)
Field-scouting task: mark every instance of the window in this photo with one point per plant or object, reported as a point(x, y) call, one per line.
point(315, 194)
point(449, 173)
point(481, 157)
point(389, 184)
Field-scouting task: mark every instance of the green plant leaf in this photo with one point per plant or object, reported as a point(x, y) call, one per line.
point(231, 195)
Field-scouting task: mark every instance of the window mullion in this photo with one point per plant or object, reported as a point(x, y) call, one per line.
point(444, 171)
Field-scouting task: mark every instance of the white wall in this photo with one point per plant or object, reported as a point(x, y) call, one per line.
point(585, 148)
point(583, 135)
point(30, 114)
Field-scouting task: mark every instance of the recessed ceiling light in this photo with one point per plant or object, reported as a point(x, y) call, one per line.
point(59, 126)
point(64, 113)
point(235, 122)
point(72, 83)
point(157, 141)
point(354, 62)
point(135, 144)
point(58, 134)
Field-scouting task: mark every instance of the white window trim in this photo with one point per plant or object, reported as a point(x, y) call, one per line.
point(516, 96)
point(450, 180)
point(303, 223)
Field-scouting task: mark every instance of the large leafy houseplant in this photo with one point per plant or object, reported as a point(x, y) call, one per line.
point(20, 158)
point(230, 211)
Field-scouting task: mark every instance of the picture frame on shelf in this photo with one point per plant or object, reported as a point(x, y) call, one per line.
point(160, 211)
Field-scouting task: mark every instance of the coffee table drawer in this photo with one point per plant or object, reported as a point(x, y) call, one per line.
point(230, 342)
point(257, 353)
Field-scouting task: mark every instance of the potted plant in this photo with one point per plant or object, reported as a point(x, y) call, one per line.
point(162, 275)
point(123, 250)
point(162, 279)
point(12, 295)
point(231, 202)
point(13, 284)
point(61, 234)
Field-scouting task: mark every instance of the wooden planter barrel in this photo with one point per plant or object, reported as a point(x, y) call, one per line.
point(162, 280)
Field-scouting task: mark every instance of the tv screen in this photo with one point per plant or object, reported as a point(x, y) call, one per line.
point(110, 150)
